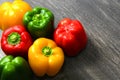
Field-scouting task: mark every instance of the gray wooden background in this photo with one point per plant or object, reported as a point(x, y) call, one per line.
point(100, 60)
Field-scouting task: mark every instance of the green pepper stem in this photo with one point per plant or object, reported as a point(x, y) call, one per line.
point(37, 17)
point(13, 38)
point(47, 51)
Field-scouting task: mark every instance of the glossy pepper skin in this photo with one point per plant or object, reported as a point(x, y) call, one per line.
point(14, 68)
point(11, 13)
point(45, 57)
point(16, 41)
point(71, 36)
point(39, 22)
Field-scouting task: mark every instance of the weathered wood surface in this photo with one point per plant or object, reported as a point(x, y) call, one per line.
point(101, 20)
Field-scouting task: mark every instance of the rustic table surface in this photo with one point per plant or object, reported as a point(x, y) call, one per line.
point(100, 60)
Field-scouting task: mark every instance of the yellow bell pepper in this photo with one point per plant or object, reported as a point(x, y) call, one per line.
point(11, 13)
point(45, 57)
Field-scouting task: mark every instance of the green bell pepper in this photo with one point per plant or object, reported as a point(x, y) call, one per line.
point(39, 22)
point(14, 69)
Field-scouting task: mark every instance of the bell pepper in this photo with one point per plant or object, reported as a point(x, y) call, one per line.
point(70, 35)
point(39, 22)
point(45, 57)
point(14, 68)
point(11, 13)
point(16, 41)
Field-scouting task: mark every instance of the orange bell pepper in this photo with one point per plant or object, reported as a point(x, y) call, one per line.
point(11, 13)
point(45, 57)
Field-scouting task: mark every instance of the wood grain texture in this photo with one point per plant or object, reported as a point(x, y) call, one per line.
point(100, 60)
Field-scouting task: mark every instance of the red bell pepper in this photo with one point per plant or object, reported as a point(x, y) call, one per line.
point(70, 35)
point(16, 41)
